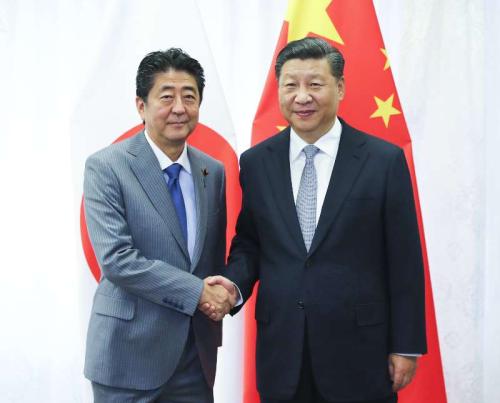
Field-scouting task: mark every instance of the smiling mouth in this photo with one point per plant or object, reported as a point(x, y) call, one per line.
point(304, 114)
point(176, 123)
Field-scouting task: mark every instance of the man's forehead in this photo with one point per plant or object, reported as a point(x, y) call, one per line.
point(174, 79)
point(310, 67)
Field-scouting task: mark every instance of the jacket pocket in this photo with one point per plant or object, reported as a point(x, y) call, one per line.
point(371, 314)
point(115, 307)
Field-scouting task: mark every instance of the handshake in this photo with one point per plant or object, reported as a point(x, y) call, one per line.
point(218, 297)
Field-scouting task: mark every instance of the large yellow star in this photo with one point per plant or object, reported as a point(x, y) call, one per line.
point(310, 17)
point(387, 64)
point(385, 109)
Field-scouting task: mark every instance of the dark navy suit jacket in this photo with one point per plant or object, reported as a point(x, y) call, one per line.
point(358, 292)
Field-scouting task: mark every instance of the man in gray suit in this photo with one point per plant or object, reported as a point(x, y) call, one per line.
point(156, 215)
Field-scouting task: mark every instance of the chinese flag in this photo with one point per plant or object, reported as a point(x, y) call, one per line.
point(371, 104)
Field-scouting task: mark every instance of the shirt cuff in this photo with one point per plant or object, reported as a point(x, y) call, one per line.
point(239, 301)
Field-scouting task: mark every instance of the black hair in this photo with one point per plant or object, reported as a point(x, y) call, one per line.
point(163, 61)
point(311, 48)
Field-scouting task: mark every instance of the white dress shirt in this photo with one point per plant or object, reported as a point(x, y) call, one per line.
point(324, 160)
point(187, 187)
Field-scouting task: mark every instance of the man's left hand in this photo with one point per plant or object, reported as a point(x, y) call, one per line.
point(402, 370)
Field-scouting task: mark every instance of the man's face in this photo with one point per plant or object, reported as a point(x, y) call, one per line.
point(172, 108)
point(309, 96)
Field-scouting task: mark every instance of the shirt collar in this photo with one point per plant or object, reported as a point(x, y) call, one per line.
point(328, 143)
point(164, 160)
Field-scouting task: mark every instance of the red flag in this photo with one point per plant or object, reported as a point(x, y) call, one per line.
point(371, 104)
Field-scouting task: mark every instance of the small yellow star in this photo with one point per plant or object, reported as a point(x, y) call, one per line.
point(387, 64)
point(385, 109)
point(311, 17)
point(280, 128)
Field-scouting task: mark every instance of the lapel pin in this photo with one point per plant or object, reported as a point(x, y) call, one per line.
point(204, 172)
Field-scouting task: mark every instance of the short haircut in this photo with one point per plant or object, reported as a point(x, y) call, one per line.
point(311, 48)
point(163, 61)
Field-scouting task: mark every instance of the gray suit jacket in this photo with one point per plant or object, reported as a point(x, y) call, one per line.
point(148, 295)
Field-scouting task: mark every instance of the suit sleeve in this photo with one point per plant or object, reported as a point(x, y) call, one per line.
point(221, 245)
point(405, 263)
point(243, 262)
point(121, 263)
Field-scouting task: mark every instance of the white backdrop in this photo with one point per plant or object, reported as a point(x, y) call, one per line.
point(59, 63)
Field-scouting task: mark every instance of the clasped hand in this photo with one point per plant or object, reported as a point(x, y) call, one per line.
point(218, 297)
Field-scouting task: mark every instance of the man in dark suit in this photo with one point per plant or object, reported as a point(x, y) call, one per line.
point(156, 215)
point(328, 226)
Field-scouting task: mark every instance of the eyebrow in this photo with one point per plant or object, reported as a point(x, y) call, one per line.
point(308, 75)
point(183, 88)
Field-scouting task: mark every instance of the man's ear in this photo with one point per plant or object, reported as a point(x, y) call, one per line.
point(140, 105)
point(341, 87)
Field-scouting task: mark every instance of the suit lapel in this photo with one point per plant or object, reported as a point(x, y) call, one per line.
point(146, 168)
point(350, 159)
point(201, 204)
point(278, 173)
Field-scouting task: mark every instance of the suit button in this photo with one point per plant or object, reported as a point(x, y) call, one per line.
point(300, 304)
point(308, 263)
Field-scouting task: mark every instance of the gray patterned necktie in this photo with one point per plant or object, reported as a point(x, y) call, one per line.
point(306, 198)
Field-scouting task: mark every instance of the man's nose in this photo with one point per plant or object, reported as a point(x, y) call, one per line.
point(178, 106)
point(303, 95)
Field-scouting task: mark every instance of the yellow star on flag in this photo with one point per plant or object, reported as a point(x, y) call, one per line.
point(385, 109)
point(313, 18)
point(280, 128)
point(387, 64)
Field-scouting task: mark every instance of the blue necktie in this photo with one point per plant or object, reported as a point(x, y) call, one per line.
point(176, 193)
point(307, 196)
